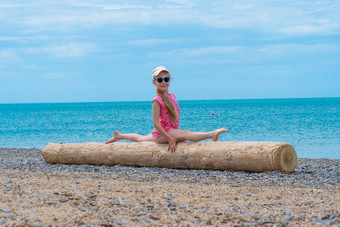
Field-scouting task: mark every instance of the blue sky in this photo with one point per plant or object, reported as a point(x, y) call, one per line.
point(92, 51)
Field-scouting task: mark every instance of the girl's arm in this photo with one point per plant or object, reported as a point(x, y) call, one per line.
point(156, 109)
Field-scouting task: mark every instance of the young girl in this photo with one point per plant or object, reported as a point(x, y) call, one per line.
point(165, 117)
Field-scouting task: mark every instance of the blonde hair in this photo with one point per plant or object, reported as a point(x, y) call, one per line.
point(169, 105)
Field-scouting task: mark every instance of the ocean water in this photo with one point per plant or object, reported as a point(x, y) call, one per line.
point(312, 126)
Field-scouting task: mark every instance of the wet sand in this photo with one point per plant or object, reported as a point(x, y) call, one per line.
point(33, 193)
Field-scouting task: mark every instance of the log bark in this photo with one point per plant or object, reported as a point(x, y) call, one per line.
point(218, 155)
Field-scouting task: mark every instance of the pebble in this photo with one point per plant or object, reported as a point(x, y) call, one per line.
point(317, 220)
point(63, 200)
point(144, 221)
point(120, 200)
point(35, 224)
point(317, 190)
point(120, 222)
point(329, 216)
point(286, 219)
point(154, 218)
point(4, 210)
point(327, 222)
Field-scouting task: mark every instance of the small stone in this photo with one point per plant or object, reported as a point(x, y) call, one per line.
point(316, 190)
point(182, 206)
point(255, 197)
point(210, 222)
point(172, 206)
point(329, 216)
point(120, 222)
point(328, 222)
point(250, 224)
point(141, 214)
point(92, 196)
point(317, 220)
point(144, 221)
point(120, 201)
point(286, 219)
point(4, 210)
point(35, 224)
point(76, 203)
point(63, 200)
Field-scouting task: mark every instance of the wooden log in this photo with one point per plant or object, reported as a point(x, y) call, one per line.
point(218, 155)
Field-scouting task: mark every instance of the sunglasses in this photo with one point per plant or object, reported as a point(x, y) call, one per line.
point(160, 79)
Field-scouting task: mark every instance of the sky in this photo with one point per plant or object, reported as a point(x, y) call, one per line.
point(105, 51)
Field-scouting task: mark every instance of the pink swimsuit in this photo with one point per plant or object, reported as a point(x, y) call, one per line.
point(164, 118)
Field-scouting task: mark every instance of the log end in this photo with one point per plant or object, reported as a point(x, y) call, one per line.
point(46, 153)
point(287, 158)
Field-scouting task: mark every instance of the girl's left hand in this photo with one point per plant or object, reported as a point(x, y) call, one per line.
point(172, 144)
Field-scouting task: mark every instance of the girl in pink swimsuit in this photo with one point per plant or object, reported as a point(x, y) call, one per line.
point(165, 117)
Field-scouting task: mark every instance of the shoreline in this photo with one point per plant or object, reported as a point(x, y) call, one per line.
point(38, 194)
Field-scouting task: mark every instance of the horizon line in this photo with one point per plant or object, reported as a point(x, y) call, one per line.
point(177, 100)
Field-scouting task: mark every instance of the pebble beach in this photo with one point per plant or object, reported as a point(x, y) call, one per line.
point(34, 193)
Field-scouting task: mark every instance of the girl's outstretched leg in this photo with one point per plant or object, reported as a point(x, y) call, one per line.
point(132, 137)
point(183, 135)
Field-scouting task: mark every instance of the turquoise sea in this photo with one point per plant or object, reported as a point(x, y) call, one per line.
point(312, 126)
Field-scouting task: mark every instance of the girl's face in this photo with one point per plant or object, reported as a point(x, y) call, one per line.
point(163, 86)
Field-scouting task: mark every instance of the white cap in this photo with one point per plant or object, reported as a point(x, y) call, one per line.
point(157, 70)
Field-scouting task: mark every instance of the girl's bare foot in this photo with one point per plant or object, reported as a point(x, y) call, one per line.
point(217, 133)
point(116, 137)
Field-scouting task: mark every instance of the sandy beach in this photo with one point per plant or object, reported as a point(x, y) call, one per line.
point(34, 193)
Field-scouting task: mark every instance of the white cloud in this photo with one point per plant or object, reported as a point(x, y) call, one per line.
point(22, 39)
point(9, 38)
point(53, 76)
point(284, 18)
point(124, 6)
point(298, 48)
point(8, 54)
point(144, 42)
point(311, 29)
point(68, 50)
point(177, 4)
point(17, 5)
point(248, 54)
point(198, 52)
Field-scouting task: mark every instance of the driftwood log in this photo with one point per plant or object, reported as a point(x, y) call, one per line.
point(243, 156)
